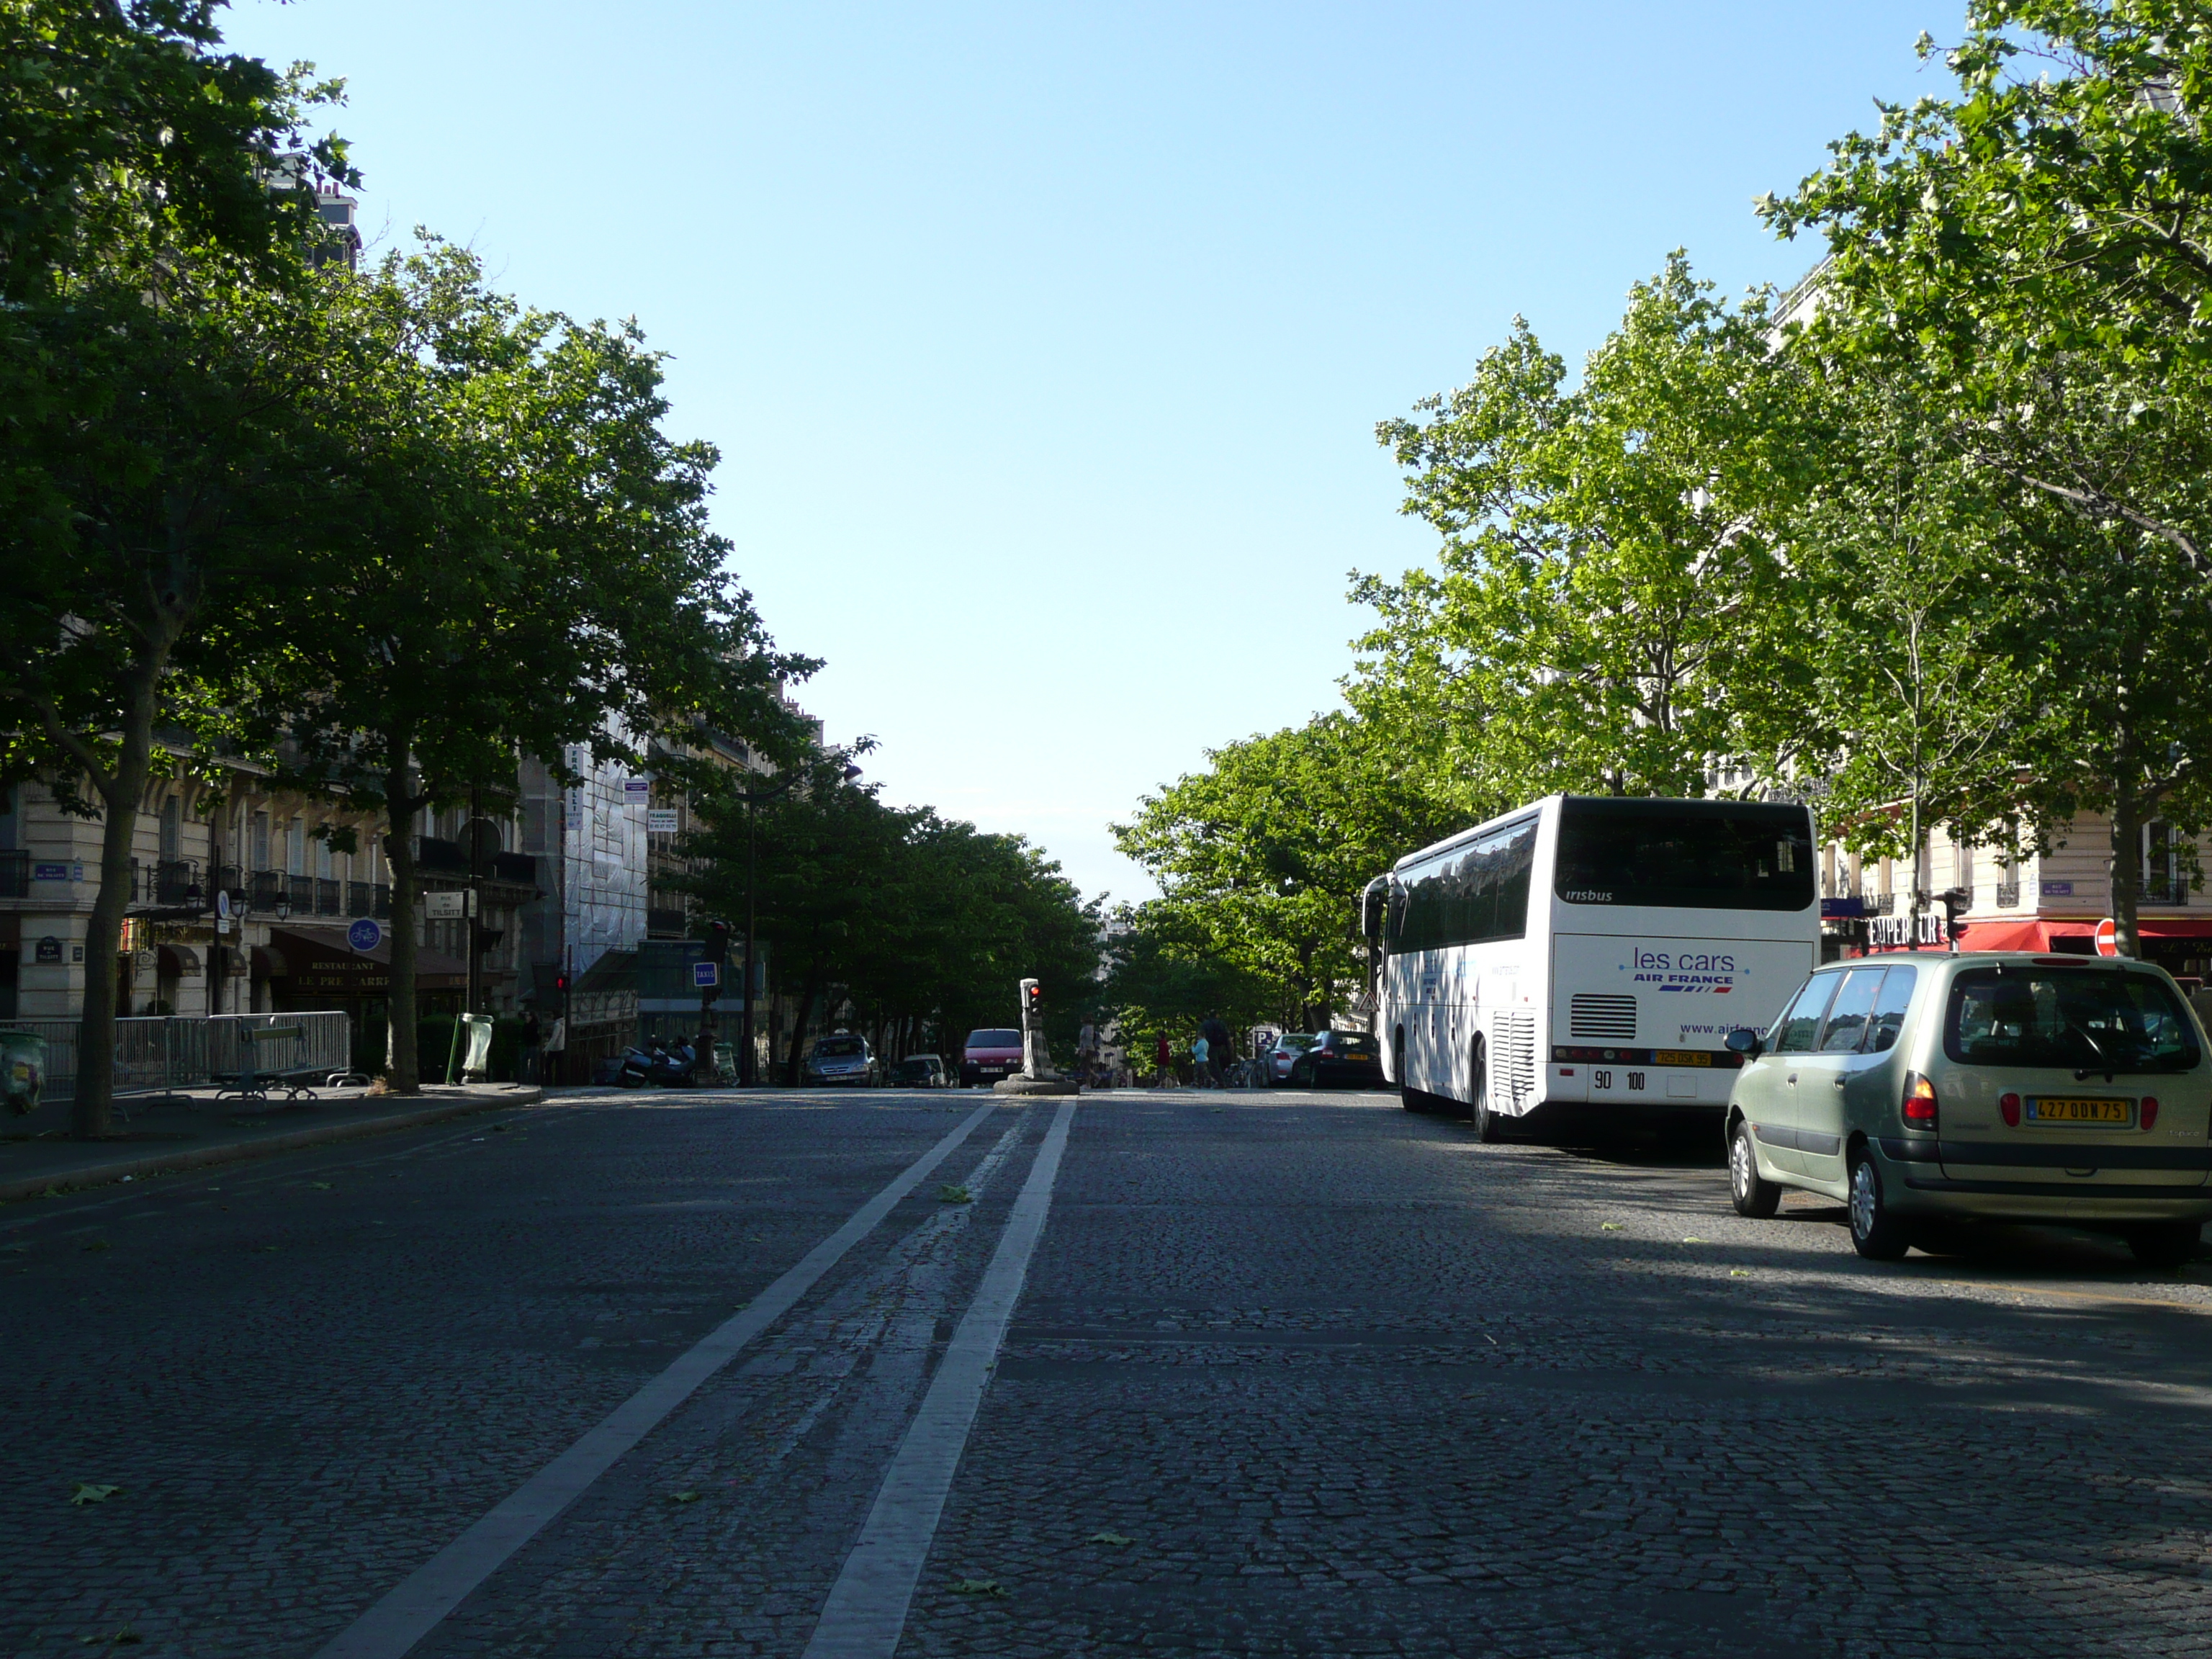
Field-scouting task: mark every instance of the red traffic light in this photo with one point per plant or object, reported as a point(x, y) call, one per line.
point(561, 981)
point(1036, 996)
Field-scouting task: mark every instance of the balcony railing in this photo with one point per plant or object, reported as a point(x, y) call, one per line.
point(301, 891)
point(15, 875)
point(263, 890)
point(2008, 896)
point(330, 897)
point(368, 898)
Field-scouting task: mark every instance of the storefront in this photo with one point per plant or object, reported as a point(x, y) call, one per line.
point(2183, 946)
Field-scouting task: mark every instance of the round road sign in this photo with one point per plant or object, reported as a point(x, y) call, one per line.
point(2108, 938)
point(365, 935)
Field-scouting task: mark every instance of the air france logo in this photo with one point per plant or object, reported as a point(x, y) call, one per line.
point(1692, 973)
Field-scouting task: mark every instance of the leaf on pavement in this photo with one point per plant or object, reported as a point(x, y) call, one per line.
point(951, 1194)
point(977, 1587)
point(1113, 1538)
point(1694, 1240)
point(86, 1493)
point(321, 1185)
point(100, 1244)
point(1608, 1226)
point(126, 1637)
point(684, 1497)
point(1739, 1273)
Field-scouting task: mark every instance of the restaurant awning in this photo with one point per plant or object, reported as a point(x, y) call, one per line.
point(178, 961)
point(2044, 934)
point(320, 961)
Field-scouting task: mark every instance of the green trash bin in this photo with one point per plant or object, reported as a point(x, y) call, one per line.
point(22, 1070)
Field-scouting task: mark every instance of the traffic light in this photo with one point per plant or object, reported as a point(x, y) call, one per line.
point(561, 983)
point(718, 941)
point(1032, 998)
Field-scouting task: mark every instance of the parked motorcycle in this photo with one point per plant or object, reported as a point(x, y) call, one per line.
point(670, 1068)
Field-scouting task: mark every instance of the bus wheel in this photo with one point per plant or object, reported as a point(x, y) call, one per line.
point(1408, 1097)
point(1489, 1128)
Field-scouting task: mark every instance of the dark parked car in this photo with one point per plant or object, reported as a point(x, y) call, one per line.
point(988, 1055)
point(1351, 1058)
point(920, 1072)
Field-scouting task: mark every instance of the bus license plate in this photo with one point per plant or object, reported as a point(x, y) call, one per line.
point(1680, 1057)
point(2080, 1111)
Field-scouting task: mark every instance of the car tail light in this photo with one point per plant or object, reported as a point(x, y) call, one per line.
point(2009, 1105)
point(1919, 1102)
point(2150, 1111)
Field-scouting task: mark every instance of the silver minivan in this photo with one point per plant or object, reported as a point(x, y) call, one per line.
point(1994, 1085)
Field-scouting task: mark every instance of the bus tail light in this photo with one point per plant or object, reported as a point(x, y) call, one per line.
point(2149, 1118)
point(2009, 1106)
point(1919, 1102)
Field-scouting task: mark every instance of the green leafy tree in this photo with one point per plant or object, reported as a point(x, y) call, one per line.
point(1604, 548)
point(1260, 859)
point(155, 362)
point(525, 567)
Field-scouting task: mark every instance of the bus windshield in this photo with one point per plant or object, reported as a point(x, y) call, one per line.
point(1685, 854)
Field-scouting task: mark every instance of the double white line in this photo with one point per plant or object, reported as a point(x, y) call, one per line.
point(867, 1605)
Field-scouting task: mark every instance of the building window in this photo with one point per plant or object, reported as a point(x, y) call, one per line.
point(173, 829)
point(261, 841)
point(2164, 881)
point(295, 847)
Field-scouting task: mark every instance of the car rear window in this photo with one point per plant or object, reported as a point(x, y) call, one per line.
point(841, 1045)
point(1352, 1042)
point(2082, 1018)
point(994, 1039)
point(1297, 1042)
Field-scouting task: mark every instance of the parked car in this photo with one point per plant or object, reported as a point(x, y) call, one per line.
point(1278, 1060)
point(841, 1058)
point(1348, 1058)
point(1992, 1086)
point(989, 1054)
point(920, 1072)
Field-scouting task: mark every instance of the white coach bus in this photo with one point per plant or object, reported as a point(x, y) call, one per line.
point(1585, 957)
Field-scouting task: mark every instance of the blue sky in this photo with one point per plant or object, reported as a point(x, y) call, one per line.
point(1044, 344)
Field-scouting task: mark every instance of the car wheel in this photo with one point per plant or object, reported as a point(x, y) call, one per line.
point(1754, 1194)
point(1876, 1232)
point(1489, 1126)
point(2164, 1243)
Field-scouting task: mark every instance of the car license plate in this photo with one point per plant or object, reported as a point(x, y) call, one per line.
point(1680, 1057)
point(2061, 1110)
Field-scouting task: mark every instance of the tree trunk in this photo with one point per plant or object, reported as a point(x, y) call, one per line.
point(406, 1071)
point(803, 1012)
point(121, 792)
point(2127, 853)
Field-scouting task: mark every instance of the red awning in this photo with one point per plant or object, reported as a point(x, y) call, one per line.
point(2042, 935)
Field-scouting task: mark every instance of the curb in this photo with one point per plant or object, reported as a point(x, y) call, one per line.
point(100, 1175)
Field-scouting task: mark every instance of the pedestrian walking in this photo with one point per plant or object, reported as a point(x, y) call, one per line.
point(532, 1036)
point(1202, 1073)
point(556, 1045)
point(1163, 1059)
point(1219, 1049)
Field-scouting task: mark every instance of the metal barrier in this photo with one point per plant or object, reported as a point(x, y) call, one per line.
point(183, 1051)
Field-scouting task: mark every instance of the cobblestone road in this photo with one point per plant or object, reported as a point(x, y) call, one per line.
point(1291, 1374)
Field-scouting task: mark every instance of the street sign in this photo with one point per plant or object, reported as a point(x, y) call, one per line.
point(447, 907)
point(705, 975)
point(49, 950)
point(2108, 938)
point(660, 820)
point(364, 935)
point(222, 902)
point(635, 791)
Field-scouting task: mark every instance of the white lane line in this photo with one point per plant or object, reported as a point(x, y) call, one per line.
point(412, 1609)
point(867, 1605)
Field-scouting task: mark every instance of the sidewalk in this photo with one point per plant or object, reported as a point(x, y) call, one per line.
point(192, 1129)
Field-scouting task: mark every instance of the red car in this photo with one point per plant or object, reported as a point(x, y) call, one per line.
point(989, 1054)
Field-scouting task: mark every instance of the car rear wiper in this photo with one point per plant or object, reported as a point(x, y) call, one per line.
point(2109, 1068)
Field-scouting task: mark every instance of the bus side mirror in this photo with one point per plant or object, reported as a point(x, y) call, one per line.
point(1749, 1044)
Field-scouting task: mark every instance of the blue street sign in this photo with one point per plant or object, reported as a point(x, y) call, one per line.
point(705, 975)
point(364, 935)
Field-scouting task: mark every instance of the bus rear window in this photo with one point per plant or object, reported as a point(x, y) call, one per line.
point(1685, 854)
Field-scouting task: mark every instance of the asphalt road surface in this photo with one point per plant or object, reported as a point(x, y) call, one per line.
point(834, 1374)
